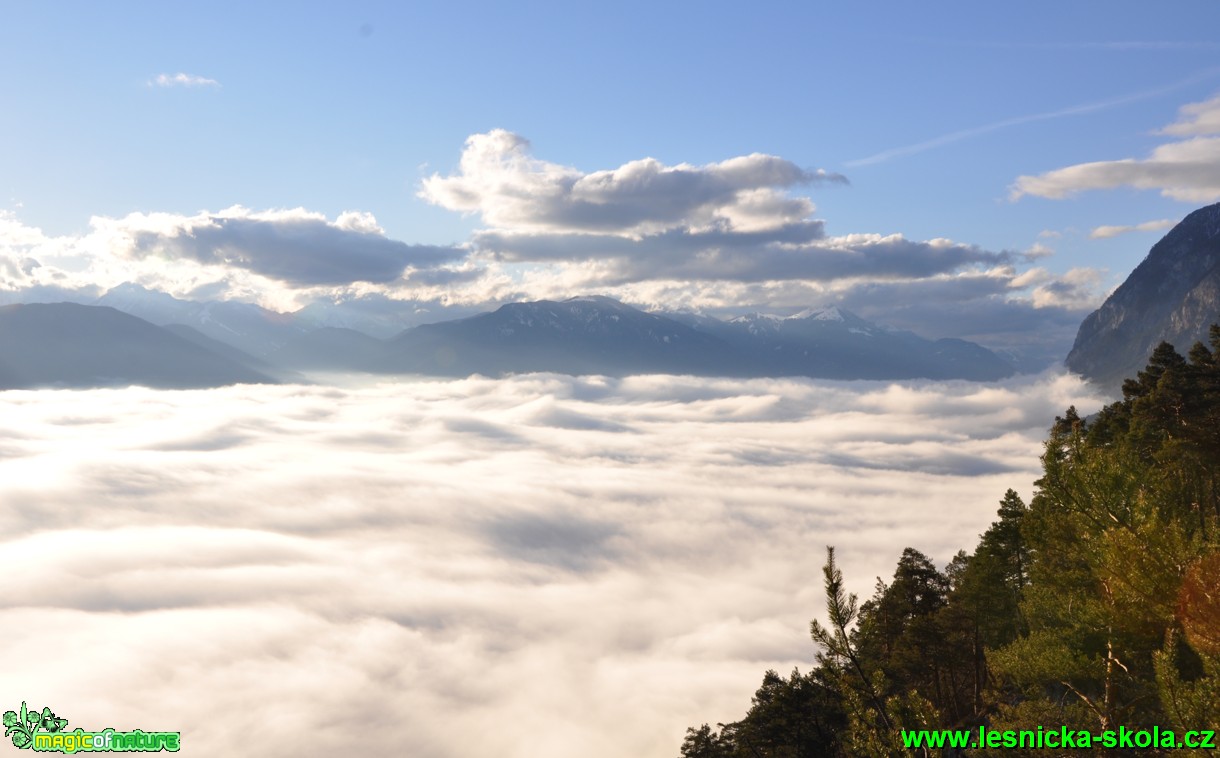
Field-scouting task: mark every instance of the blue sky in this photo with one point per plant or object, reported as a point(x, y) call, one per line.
point(931, 113)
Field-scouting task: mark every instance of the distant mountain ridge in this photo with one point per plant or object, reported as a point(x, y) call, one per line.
point(834, 343)
point(223, 343)
point(71, 345)
point(257, 330)
point(600, 335)
point(245, 326)
point(581, 335)
point(1173, 295)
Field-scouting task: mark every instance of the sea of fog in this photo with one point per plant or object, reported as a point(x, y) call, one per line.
point(536, 567)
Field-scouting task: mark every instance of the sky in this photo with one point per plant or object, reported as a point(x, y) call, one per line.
point(948, 169)
point(534, 567)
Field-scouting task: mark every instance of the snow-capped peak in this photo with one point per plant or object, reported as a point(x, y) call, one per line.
point(819, 314)
point(595, 299)
point(752, 317)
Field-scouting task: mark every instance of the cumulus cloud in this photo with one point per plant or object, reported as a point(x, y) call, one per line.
point(501, 180)
point(282, 259)
point(1196, 119)
point(540, 566)
point(1036, 251)
point(744, 256)
point(1078, 288)
point(182, 80)
point(1105, 232)
point(1186, 170)
point(32, 261)
point(731, 221)
point(297, 247)
point(641, 214)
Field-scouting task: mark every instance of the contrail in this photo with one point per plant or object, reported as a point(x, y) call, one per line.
point(1076, 110)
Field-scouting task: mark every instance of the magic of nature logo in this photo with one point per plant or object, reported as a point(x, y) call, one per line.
point(45, 732)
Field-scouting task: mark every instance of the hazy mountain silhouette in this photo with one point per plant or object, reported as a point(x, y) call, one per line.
point(276, 371)
point(580, 335)
point(835, 343)
point(250, 328)
point(70, 345)
point(602, 335)
point(333, 349)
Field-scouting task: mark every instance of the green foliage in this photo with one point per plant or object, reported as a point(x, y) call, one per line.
point(1095, 607)
point(704, 742)
point(797, 717)
point(1123, 508)
point(1190, 702)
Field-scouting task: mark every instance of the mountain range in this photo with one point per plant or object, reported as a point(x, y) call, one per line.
point(600, 335)
point(137, 336)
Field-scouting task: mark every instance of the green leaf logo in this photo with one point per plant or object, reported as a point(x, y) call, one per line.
point(50, 722)
point(22, 727)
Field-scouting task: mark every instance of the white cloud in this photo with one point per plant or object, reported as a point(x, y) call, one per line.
point(1038, 250)
point(279, 258)
point(32, 260)
point(1105, 232)
point(182, 80)
point(733, 220)
point(501, 180)
point(541, 566)
point(296, 247)
point(796, 254)
point(1186, 170)
point(1077, 289)
point(1196, 119)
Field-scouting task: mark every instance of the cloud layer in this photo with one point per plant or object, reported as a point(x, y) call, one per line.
point(1187, 170)
point(538, 567)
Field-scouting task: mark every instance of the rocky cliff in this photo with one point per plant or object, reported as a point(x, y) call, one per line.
point(1173, 295)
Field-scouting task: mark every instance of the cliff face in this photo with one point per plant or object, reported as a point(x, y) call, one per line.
point(1173, 295)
